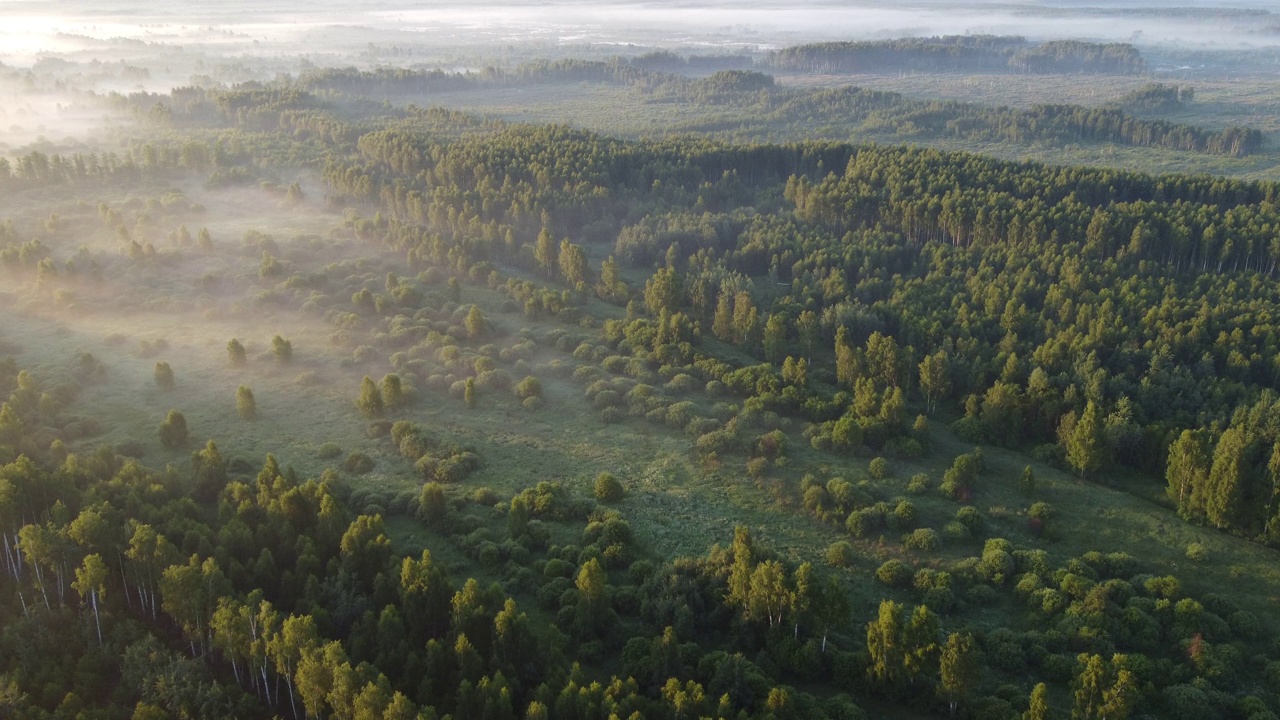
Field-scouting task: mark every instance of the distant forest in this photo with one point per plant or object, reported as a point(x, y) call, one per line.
point(869, 111)
point(957, 53)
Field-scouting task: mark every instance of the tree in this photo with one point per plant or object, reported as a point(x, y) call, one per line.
point(593, 602)
point(807, 324)
point(775, 337)
point(544, 253)
point(1027, 484)
point(722, 322)
point(469, 392)
point(1186, 471)
point(884, 359)
point(365, 547)
point(173, 431)
point(477, 326)
point(390, 390)
point(91, 581)
point(236, 353)
point(1103, 690)
point(919, 643)
point(934, 379)
point(209, 471)
point(1084, 445)
point(609, 278)
point(743, 565)
point(830, 606)
point(846, 360)
point(884, 646)
point(1228, 481)
point(1272, 528)
point(164, 376)
point(1038, 706)
point(246, 406)
point(573, 262)
point(959, 668)
point(282, 350)
point(432, 507)
point(767, 596)
point(370, 400)
point(662, 292)
point(517, 517)
point(746, 320)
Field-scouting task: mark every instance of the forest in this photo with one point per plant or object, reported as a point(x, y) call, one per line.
point(323, 398)
point(962, 52)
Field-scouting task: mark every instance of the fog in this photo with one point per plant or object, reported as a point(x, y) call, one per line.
point(327, 28)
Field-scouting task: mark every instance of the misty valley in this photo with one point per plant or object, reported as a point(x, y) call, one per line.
point(394, 361)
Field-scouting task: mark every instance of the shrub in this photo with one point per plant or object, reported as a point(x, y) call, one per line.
point(904, 516)
point(328, 451)
point(879, 468)
point(606, 398)
point(164, 376)
point(894, 574)
point(840, 554)
point(357, 463)
point(861, 523)
point(246, 406)
point(1196, 552)
point(173, 431)
point(682, 384)
point(431, 503)
point(391, 390)
point(919, 483)
point(679, 414)
point(282, 349)
point(904, 448)
point(969, 429)
point(921, 540)
point(236, 353)
point(973, 520)
point(608, 489)
point(771, 445)
point(528, 388)
point(370, 400)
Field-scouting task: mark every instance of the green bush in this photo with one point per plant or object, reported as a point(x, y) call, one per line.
point(904, 515)
point(862, 523)
point(608, 489)
point(894, 574)
point(173, 431)
point(922, 540)
point(357, 463)
point(528, 388)
point(840, 554)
